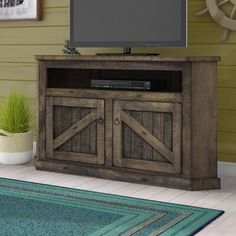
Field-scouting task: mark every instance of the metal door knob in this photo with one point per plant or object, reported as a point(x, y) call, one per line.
point(116, 122)
point(100, 120)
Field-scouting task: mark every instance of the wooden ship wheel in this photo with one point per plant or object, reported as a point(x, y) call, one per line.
point(227, 21)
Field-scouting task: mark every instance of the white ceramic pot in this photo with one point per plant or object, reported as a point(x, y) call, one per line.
point(15, 148)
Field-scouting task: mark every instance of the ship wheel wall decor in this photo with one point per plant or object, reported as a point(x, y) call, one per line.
point(227, 22)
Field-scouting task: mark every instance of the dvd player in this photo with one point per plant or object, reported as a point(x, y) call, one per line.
point(121, 84)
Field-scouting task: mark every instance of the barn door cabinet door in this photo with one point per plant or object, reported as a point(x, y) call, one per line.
point(147, 135)
point(75, 130)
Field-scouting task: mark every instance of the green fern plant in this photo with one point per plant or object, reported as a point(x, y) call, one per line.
point(15, 114)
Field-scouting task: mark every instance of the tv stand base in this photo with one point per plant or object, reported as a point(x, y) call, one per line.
point(165, 136)
point(132, 54)
point(127, 52)
point(134, 176)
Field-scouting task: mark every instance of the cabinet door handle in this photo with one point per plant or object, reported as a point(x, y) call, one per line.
point(116, 122)
point(100, 120)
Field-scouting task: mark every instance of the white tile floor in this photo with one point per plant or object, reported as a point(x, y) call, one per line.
point(223, 199)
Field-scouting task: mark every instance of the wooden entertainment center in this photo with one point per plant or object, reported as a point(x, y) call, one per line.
point(164, 135)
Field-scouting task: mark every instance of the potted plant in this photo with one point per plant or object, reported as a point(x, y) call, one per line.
point(16, 140)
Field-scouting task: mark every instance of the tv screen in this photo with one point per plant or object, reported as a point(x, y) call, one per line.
point(128, 23)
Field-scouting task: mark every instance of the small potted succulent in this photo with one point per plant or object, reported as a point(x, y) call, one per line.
point(16, 140)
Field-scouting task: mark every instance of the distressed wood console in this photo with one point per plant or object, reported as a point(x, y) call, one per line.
point(163, 136)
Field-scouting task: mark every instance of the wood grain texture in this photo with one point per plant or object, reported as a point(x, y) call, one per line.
point(108, 132)
point(184, 146)
point(127, 141)
point(204, 125)
point(158, 131)
point(117, 138)
point(75, 141)
point(186, 120)
point(137, 176)
point(173, 136)
point(134, 59)
point(73, 126)
point(147, 136)
point(103, 94)
point(147, 122)
point(136, 150)
point(75, 157)
point(76, 128)
point(101, 132)
point(41, 91)
point(49, 127)
point(224, 50)
point(92, 136)
point(65, 121)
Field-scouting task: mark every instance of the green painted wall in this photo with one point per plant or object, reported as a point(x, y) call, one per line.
point(20, 41)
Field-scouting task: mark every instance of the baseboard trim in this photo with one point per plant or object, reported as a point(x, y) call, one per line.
point(227, 168)
point(224, 168)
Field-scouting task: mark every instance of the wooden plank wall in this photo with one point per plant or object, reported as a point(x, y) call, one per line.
point(20, 41)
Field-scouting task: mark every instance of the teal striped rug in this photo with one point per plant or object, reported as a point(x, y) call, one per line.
point(38, 209)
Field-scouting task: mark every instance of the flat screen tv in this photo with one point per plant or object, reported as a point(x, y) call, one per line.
point(128, 23)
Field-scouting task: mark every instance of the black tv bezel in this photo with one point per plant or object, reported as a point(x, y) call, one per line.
point(129, 44)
